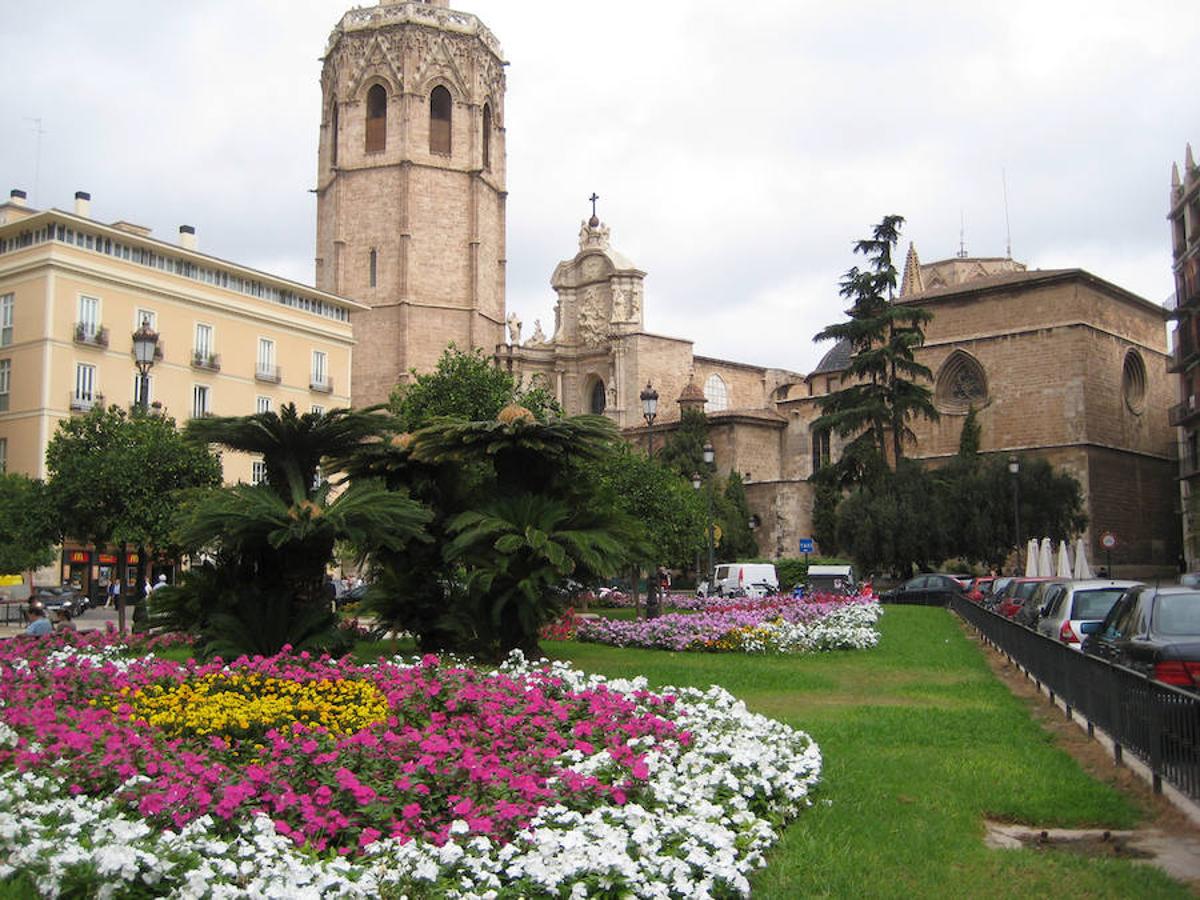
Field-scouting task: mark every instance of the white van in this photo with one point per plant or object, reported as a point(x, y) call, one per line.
point(744, 579)
point(831, 579)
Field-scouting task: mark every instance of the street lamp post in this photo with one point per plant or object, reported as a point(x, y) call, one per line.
point(145, 345)
point(709, 456)
point(649, 398)
point(1014, 469)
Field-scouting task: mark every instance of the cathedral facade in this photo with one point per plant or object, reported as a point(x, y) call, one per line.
point(1059, 364)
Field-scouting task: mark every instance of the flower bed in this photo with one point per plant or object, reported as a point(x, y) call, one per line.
point(294, 776)
point(619, 600)
point(772, 624)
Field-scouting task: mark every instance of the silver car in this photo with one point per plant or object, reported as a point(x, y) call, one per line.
point(1079, 603)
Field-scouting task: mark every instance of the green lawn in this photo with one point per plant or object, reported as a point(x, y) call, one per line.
point(921, 743)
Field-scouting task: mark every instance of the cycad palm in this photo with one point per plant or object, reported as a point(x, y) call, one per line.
point(280, 535)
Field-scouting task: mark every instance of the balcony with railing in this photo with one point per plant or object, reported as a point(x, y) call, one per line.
point(321, 385)
point(263, 372)
point(208, 361)
point(80, 402)
point(1184, 354)
point(91, 335)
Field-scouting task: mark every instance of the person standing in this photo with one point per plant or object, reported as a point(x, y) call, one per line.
point(114, 594)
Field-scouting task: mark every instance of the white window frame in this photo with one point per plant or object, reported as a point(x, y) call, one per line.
point(262, 405)
point(317, 410)
point(716, 392)
point(3, 455)
point(203, 347)
point(145, 314)
point(201, 409)
point(88, 303)
point(85, 385)
point(265, 361)
point(5, 384)
point(137, 382)
point(6, 319)
point(320, 368)
point(258, 472)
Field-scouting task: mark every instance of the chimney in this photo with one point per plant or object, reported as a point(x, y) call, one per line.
point(16, 197)
point(83, 204)
point(187, 237)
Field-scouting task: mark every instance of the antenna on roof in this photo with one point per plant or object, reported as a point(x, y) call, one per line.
point(962, 235)
point(1007, 227)
point(37, 153)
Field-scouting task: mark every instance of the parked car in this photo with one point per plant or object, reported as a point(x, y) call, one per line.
point(992, 597)
point(745, 579)
point(1155, 631)
point(1031, 608)
point(978, 588)
point(1065, 615)
point(1016, 593)
point(63, 599)
point(925, 590)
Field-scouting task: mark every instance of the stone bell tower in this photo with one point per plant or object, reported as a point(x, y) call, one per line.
point(410, 186)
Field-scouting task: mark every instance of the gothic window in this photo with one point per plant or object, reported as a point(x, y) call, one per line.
point(1133, 382)
point(961, 384)
point(598, 400)
point(717, 394)
point(374, 265)
point(439, 120)
point(487, 136)
point(376, 118)
point(820, 449)
point(333, 134)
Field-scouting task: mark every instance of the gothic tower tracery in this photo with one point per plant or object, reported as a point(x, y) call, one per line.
point(410, 185)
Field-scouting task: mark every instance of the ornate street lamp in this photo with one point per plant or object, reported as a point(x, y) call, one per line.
point(1014, 469)
point(709, 456)
point(145, 345)
point(649, 398)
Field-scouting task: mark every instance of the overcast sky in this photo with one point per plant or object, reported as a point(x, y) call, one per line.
point(738, 148)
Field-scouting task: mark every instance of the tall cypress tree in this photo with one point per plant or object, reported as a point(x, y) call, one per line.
point(882, 392)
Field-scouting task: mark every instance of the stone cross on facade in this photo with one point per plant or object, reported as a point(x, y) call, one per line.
point(593, 199)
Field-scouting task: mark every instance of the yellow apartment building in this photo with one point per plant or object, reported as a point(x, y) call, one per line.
point(232, 340)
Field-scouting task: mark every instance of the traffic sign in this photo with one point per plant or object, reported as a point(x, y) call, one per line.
point(1108, 540)
point(806, 545)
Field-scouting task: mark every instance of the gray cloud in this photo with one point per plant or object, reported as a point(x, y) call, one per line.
point(738, 148)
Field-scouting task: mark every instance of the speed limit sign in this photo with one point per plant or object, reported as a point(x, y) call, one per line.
point(1108, 540)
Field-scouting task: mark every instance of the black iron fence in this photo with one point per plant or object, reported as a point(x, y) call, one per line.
point(1155, 722)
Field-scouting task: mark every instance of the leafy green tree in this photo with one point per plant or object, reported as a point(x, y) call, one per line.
point(467, 386)
point(881, 392)
point(530, 525)
point(684, 448)
point(668, 513)
point(969, 437)
point(270, 543)
point(733, 515)
point(28, 525)
point(119, 478)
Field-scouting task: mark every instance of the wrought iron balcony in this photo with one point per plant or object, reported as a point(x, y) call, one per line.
point(1182, 413)
point(209, 361)
point(324, 386)
point(91, 335)
point(267, 373)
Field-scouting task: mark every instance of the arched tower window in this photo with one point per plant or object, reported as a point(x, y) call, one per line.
point(961, 384)
point(598, 401)
point(487, 135)
point(439, 120)
point(376, 118)
point(333, 134)
point(1133, 382)
point(374, 265)
point(717, 394)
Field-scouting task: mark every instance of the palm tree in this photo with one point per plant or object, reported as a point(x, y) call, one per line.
point(270, 543)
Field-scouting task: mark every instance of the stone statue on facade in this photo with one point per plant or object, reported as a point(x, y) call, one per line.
point(538, 338)
point(514, 329)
